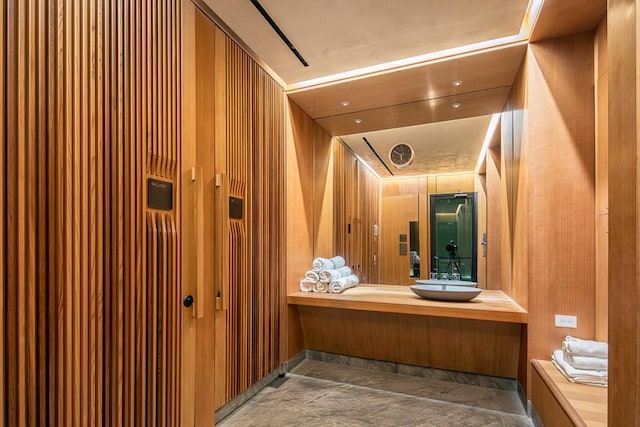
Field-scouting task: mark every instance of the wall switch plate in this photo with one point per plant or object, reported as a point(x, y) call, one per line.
point(563, 321)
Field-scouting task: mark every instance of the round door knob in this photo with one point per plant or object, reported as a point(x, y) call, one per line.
point(188, 301)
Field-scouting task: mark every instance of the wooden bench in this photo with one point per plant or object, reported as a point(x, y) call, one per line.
point(559, 402)
point(391, 323)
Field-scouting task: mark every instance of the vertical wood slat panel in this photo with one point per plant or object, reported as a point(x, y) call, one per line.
point(254, 148)
point(3, 52)
point(71, 110)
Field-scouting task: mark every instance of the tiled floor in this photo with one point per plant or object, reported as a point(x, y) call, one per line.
point(319, 393)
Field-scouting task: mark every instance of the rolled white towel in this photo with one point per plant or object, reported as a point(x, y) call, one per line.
point(320, 264)
point(338, 262)
point(580, 347)
point(312, 275)
point(340, 285)
point(586, 362)
point(321, 287)
point(306, 285)
point(328, 276)
point(582, 376)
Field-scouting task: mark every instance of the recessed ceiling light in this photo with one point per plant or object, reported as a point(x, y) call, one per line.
point(344, 103)
point(457, 83)
point(456, 105)
point(358, 121)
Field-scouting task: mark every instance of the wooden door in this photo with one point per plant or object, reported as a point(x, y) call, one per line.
point(198, 217)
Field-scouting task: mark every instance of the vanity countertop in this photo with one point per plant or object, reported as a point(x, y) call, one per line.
point(492, 305)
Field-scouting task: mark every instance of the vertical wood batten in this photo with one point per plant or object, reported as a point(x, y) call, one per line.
point(3, 267)
point(64, 72)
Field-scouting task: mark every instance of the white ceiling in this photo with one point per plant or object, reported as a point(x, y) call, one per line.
point(335, 36)
point(395, 61)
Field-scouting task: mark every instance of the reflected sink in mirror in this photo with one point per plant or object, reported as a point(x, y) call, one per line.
point(446, 292)
point(447, 282)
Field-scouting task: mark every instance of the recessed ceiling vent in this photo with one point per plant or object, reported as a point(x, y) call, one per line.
point(278, 31)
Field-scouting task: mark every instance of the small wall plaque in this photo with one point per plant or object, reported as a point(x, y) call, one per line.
point(403, 249)
point(159, 194)
point(235, 207)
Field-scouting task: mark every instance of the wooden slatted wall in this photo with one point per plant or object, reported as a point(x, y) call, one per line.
point(89, 296)
point(255, 153)
point(356, 210)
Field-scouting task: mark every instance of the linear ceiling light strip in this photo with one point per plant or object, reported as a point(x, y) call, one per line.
point(277, 29)
point(379, 158)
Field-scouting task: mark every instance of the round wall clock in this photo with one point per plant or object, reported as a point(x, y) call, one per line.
point(401, 155)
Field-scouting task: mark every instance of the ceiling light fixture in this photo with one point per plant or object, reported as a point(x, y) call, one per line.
point(456, 105)
point(345, 103)
point(357, 121)
point(457, 83)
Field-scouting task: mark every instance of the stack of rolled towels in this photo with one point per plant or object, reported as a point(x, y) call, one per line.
point(583, 361)
point(328, 275)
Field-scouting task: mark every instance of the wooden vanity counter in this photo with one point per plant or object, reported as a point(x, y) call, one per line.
point(391, 323)
point(489, 305)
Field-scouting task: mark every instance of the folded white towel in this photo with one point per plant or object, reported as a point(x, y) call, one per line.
point(312, 275)
point(586, 362)
point(580, 347)
point(321, 287)
point(306, 285)
point(328, 276)
point(582, 376)
point(322, 264)
point(338, 262)
point(340, 285)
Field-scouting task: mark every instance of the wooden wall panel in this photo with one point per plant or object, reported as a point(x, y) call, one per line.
point(253, 290)
point(623, 33)
point(559, 161)
point(465, 345)
point(356, 209)
point(299, 213)
point(494, 207)
point(78, 82)
point(602, 181)
point(323, 209)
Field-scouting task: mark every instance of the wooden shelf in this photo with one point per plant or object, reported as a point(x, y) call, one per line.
point(580, 404)
point(490, 305)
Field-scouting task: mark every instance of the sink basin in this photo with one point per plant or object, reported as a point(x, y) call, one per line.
point(445, 292)
point(447, 282)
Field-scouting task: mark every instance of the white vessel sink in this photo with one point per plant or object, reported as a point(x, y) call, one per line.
point(445, 292)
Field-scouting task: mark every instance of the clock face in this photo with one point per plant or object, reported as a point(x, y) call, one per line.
point(401, 155)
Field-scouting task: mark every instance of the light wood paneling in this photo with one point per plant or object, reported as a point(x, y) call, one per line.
point(559, 160)
point(560, 402)
point(474, 104)
point(494, 230)
point(623, 29)
point(371, 92)
point(299, 212)
point(559, 18)
point(489, 305)
point(602, 181)
point(356, 209)
point(476, 346)
point(91, 274)
point(323, 198)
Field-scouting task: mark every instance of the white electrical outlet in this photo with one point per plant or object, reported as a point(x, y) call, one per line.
point(563, 321)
